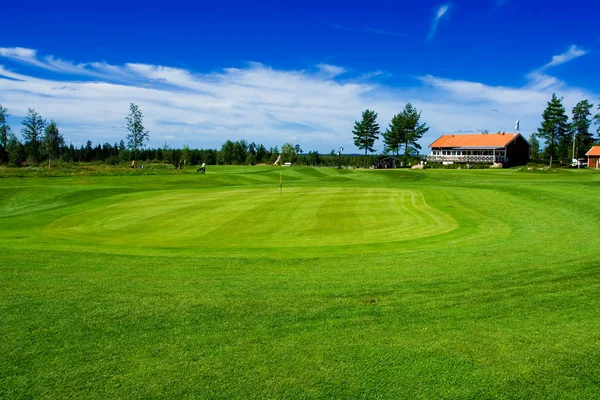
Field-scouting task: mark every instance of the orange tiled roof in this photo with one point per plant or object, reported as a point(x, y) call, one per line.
point(594, 151)
point(475, 140)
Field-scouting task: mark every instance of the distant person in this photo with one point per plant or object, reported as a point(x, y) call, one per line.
point(202, 169)
point(180, 164)
point(133, 164)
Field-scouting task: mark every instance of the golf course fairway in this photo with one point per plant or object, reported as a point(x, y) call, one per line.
point(462, 284)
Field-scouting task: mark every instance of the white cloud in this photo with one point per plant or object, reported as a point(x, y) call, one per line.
point(495, 107)
point(441, 11)
point(99, 70)
point(331, 70)
point(255, 102)
point(17, 53)
point(262, 104)
point(571, 54)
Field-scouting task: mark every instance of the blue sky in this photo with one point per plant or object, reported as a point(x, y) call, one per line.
point(272, 72)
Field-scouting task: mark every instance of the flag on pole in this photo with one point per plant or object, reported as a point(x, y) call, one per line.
point(517, 125)
point(278, 161)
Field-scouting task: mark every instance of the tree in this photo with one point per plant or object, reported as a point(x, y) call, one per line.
point(581, 128)
point(33, 129)
point(288, 153)
point(597, 122)
point(535, 148)
point(251, 159)
point(226, 153)
point(414, 130)
point(87, 151)
point(15, 150)
point(298, 150)
point(185, 154)
point(137, 133)
point(313, 158)
point(261, 153)
point(366, 132)
point(252, 148)
point(122, 149)
point(4, 133)
point(53, 141)
point(405, 130)
point(554, 126)
point(394, 136)
point(240, 149)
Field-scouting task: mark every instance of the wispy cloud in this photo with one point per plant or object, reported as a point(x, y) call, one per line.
point(439, 14)
point(18, 53)
point(571, 54)
point(367, 30)
point(50, 63)
point(314, 108)
point(331, 70)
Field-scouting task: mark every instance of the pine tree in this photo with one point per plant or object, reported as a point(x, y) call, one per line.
point(597, 122)
point(33, 129)
point(581, 128)
point(366, 132)
point(394, 136)
point(414, 130)
point(554, 127)
point(405, 130)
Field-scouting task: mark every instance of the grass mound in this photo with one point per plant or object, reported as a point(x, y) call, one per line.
point(225, 220)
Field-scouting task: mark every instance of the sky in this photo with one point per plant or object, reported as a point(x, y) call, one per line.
point(273, 72)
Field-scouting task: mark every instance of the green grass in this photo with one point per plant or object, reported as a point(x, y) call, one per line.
point(353, 284)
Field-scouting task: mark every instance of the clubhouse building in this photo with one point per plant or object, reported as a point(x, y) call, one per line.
point(484, 148)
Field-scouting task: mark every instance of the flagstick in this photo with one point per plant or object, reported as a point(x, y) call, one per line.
point(280, 181)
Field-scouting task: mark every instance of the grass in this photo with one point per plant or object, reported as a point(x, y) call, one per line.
point(353, 284)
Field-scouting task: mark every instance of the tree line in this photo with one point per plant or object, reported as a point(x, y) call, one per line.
point(403, 133)
point(564, 140)
point(42, 141)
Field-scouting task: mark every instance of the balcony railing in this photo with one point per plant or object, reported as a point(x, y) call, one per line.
point(467, 159)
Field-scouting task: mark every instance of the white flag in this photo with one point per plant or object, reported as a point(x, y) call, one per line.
point(278, 159)
point(517, 125)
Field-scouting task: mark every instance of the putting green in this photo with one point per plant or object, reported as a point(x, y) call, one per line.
point(253, 218)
